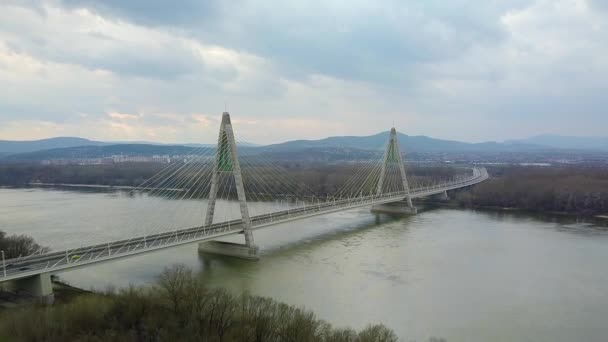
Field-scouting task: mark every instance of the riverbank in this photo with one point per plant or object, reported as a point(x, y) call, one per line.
point(454, 204)
point(64, 293)
point(101, 187)
point(564, 190)
point(178, 307)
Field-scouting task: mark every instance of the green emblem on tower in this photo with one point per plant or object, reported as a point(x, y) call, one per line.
point(224, 160)
point(392, 156)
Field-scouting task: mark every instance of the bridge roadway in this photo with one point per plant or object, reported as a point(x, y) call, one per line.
point(55, 262)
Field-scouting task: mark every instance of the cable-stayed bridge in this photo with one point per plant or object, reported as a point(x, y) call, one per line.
point(220, 179)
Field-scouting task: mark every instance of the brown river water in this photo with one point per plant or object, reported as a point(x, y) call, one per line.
point(458, 274)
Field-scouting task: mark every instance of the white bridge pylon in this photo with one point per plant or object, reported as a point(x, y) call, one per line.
point(392, 155)
point(227, 162)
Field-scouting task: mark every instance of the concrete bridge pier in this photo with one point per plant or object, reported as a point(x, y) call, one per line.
point(39, 286)
point(233, 249)
point(400, 208)
point(442, 196)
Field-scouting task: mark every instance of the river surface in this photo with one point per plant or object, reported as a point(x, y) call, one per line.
point(458, 274)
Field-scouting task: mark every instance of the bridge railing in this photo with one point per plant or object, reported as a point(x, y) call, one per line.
point(73, 257)
point(479, 174)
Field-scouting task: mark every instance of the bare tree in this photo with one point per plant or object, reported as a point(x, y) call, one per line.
point(175, 284)
point(377, 333)
point(17, 245)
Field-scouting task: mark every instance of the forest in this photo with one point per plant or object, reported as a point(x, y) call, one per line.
point(573, 189)
point(320, 178)
point(125, 174)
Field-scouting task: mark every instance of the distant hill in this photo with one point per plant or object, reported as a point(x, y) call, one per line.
point(408, 144)
point(332, 148)
point(101, 151)
point(10, 147)
point(322, 154)
point(568, 142)
point(143, 150)
point(13, 147)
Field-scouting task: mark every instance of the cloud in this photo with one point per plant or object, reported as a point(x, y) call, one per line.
point(122, 116)
point(361, 40)
point(151, 69)
point(88, 77)
point(83, 38)
point(153, 12)
point(599, 4)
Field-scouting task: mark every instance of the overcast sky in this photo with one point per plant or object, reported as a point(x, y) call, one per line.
point(163, 70)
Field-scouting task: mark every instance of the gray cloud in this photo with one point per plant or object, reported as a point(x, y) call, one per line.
point(53, 35)
point(599, 4)
point(459, 69)
point(365, 41)
point(154, 12)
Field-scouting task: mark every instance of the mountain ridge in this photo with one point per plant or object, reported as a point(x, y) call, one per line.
point(567, 142)
point(12, 147)
point(408, 143)
point(70, 147)
point(24, 146)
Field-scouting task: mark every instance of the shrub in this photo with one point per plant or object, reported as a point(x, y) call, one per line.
point(178, 307)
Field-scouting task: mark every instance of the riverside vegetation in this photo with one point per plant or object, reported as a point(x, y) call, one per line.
point(324, 179)
point(178, 307)
point(573, 189)
point(14, 246)
point(576, 190)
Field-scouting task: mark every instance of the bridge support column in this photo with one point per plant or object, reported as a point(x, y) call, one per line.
point(442, 196)
point(39, 286)
point(398, 208)
point(230, 249)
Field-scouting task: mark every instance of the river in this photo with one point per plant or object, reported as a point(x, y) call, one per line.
point(458, 274)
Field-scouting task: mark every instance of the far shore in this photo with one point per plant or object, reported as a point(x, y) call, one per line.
point(452, 204)
point(97, 186)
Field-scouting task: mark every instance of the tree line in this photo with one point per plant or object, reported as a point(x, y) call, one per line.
point(580, 190)
point(575, 189)
point(178, 307)
point(124, 174)
point(320, 178)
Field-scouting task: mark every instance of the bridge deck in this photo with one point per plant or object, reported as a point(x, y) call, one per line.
point(58, 261)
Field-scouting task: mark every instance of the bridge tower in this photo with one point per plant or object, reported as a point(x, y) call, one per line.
point(227, 162)
point(392, 155)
